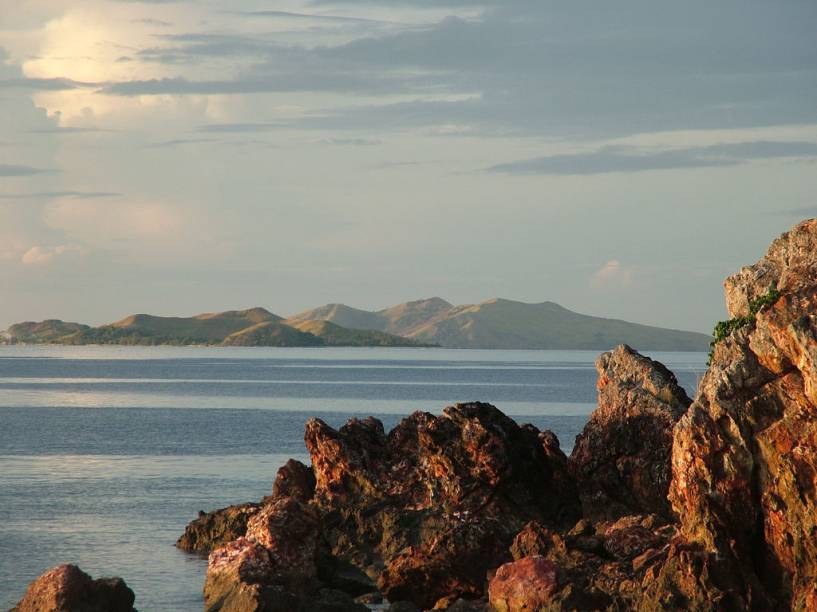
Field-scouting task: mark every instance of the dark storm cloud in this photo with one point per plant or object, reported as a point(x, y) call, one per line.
point(627, 159)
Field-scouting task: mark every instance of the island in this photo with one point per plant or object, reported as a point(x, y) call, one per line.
point(493, 324)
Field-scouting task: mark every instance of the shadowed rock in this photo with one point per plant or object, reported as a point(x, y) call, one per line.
point(294, 479)
point(621, 459)
point(216, 528)
point(66, 588)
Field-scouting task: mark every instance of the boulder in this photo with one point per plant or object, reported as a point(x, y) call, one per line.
point(66, 588)
point(621, 459)
point(526, 584)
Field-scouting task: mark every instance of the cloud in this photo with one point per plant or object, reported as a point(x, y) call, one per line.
point(177, 142)
point(153, 22)
point(628, 159)
point(40, 256)
point(308, 17)
point(353, 142)
point(47, 195)
point(56, 129)
point(306, 80)
point(612, 273)
point(239, 127)
point(19, 170)
point(51, 84)
point(106, 224)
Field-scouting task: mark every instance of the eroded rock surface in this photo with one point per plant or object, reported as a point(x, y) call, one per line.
point(419, 514)
point(621, 459)
point(431, 506)
point(66, 588)
point(216, 528)
point(789, 265)
point(745, 454)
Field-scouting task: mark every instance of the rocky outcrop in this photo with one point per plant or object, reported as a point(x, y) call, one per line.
point(430, 507)
point(216, 528)
point(294, 479)
point(745, 455)
point(665, 504)
point(219, 527)
point(789, 266)
point(590, 567)
point(274, 567)
point(419, 514)
point(66, 588)
point(621, 459)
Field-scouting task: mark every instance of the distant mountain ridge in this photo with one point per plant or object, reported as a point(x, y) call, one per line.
point(506, 324)
point(252, 327)
point(493, 324)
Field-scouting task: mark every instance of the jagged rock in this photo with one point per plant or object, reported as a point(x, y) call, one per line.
point(66, 588)
point(745, 454)
point(689, 578)
point(789, 265)
point(632, 536)
point(294, 479)
point(275, 567)
point(621, 459)
point(244, 576)
point(218, 527)
point(533, 540)
point(289, 531)
point(431, 506)
point(213, 529)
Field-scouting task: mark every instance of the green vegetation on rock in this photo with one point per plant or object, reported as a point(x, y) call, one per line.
point(723, 329)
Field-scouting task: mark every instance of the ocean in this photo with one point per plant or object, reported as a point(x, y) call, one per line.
point(106, 453)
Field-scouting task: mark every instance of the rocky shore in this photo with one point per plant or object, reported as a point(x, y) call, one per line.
point(665, 503)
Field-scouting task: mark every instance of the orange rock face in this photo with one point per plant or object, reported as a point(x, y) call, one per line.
point(66, 588)
point(523, 585)
point(745, 455)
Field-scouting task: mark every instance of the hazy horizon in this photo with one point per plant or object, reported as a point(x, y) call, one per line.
point(173, 157)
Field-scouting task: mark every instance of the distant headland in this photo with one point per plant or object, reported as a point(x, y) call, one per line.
point(433, 322)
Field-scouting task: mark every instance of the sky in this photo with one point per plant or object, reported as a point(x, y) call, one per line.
point(619, 158)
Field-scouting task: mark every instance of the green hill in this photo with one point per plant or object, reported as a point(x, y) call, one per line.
point(335, 335)
point(40, 332)
point(143, 329)
point(271, 333)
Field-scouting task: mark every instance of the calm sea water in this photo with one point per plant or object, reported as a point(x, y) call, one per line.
point(107, 453)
